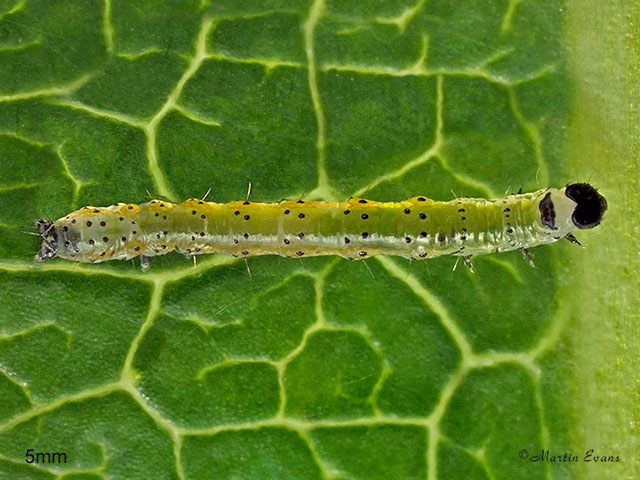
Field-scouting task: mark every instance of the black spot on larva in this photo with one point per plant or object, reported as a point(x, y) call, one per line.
point(165, 232)
point(507, 210)
point(300, 201)
point(441, 237)
point(193, 212)
point(463, 218)
point(156, 250)
point(96, 211)
point(364, 216)
point(163, 246)
point(130, 207)
point(407, 211)
point(192, 238)
point(548, 212)
point(73, 221)
point(463, 237)
point(132, 222)
point(89, 223)
point(461, 210)
point(162, 204)
point(422, 199)
point(407, 239)
point(301, 215)
point(287, 211)
point(124, 239)
point(237, 212)
point(157, 235)
point(188, 250)
point(153, 201)
point(201, 216)
point(198, 249)
point(135, 232)
point(346, 240)
point(246, 202)
point(199, 203)
point(301, 235)
point(423, 216)
point(362, 253)
point(137, 249)
point(103, 254)
point(422, 254)
point(245, 252)
point(236, 241)
point(103, 224)
point(105, 239)
point(347, 212)
point(365, 234)
point(464, 230)
point(121, 218)
point(286, 241)
point(65, 228)
point(164, 217)
point(247, 217)
point(92, 241)
point(202, 234)
point(509, 230)
point(66, 244)
point(362, 200)
point(423, 234)
point(157, 214)
point(246, 235)
point(300, 253)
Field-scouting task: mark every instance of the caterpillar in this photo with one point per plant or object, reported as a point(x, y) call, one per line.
point(417, 228)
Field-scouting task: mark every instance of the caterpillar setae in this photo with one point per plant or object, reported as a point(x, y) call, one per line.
point(418, 228)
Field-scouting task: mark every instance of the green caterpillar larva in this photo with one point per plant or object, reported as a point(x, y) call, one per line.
point(418, 228)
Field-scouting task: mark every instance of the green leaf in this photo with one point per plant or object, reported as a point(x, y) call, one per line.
point(318, 368)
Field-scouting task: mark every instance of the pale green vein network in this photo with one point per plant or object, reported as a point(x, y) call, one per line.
point(63, 91)
point(107, 27)
point(129, 378)
point(199, 57)
point(323, 189)
point(19, 6)
point(77, 184)
point(405, 18)
point(128, 381)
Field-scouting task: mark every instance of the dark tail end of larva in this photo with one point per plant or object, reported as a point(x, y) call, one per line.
point(49, 248)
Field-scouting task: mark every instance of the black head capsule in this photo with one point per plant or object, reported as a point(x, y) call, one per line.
point(590, 206)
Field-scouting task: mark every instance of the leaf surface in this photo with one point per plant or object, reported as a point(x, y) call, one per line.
point(320, 368)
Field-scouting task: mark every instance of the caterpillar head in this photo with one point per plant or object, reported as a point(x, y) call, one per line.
point(49, 236)
point(577, 206)
point(590, 205)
